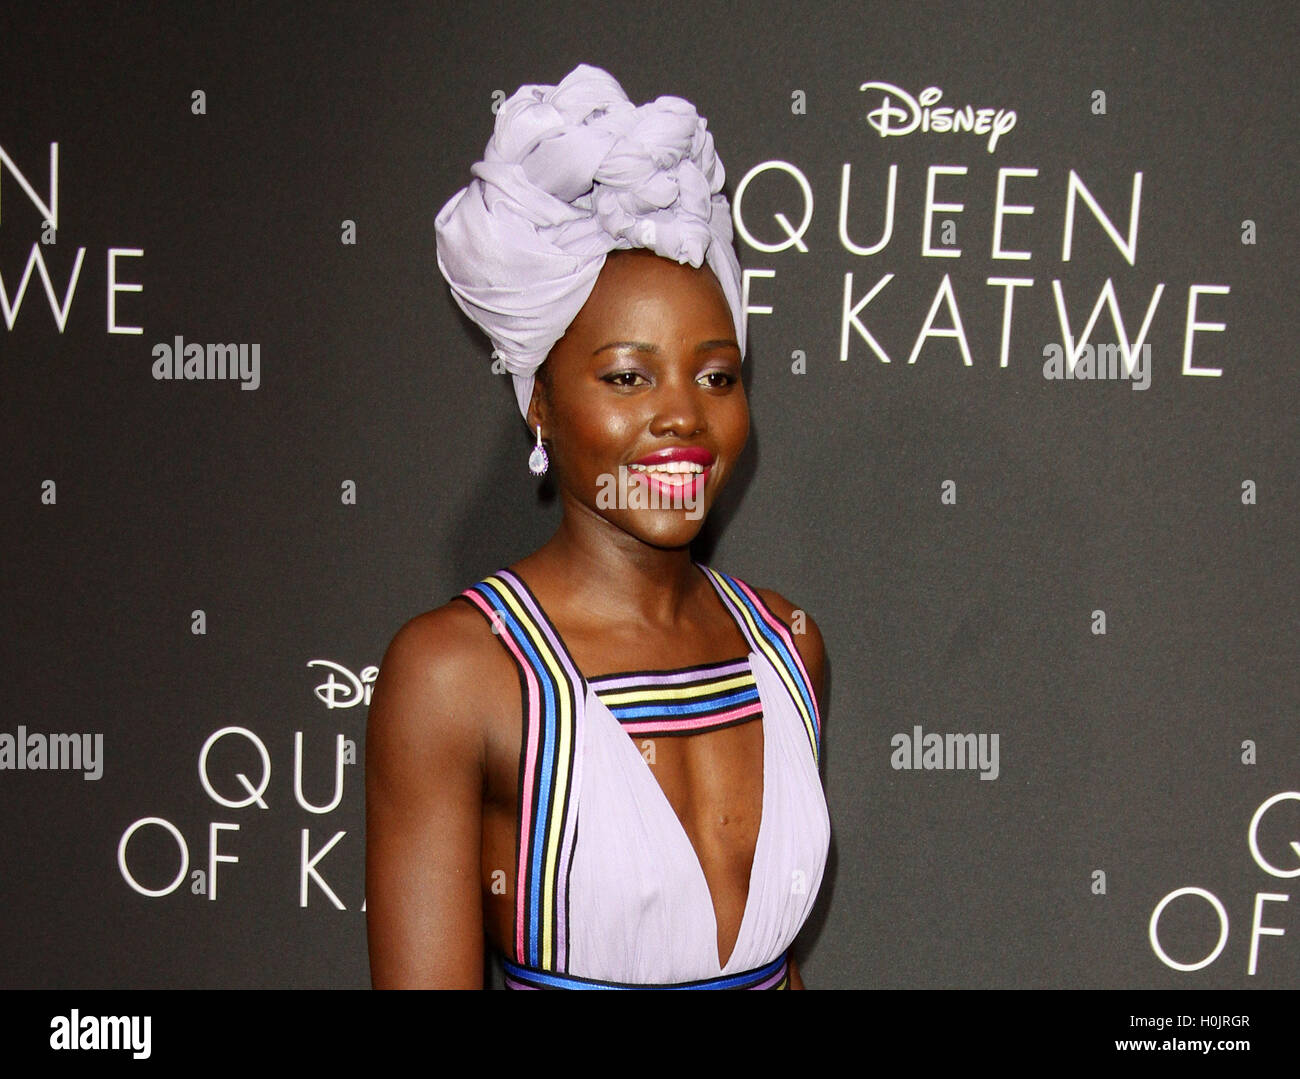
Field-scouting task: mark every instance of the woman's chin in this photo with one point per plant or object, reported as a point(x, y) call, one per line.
point(667, 529)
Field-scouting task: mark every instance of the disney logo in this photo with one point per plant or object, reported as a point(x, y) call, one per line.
point(899, 113)
point(348, 690)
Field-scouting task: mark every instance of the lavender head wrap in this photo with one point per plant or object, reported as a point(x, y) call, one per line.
point(571, 173)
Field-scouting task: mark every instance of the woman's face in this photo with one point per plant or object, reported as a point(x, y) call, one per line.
point(641, 401)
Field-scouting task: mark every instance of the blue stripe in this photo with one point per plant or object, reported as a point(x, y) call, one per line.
point(570, 981)
point(668, 707)
point(545, 771)
point(716, 704)
point(770, 635)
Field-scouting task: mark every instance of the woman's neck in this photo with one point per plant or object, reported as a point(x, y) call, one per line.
point(611, 575)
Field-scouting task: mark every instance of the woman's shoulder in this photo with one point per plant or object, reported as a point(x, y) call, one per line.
point(447, 636)
point(802, 628)
point(789, 613)
point(442, 665)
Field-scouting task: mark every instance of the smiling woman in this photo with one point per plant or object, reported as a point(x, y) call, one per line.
point(661, 410)
point(604, 758)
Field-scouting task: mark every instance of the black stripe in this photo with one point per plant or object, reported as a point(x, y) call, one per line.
point(749, 689)
point(649, 673)
point(669, 732)
point(560, 688)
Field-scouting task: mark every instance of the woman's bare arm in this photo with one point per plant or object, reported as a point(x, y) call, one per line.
point(424, 807)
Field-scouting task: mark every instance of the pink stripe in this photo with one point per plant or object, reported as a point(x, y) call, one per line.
point(548, 640)
point(784, 634)
point(526, 797)
point(718, 718)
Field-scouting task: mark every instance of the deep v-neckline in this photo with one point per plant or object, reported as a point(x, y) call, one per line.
point(661, 798)
point(666, 806)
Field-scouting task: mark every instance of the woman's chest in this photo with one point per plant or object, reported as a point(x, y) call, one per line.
point(660, 801)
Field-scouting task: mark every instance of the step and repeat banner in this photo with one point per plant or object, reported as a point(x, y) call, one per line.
point(1020, 287)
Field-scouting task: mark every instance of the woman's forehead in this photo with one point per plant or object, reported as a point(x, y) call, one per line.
point(638, 286)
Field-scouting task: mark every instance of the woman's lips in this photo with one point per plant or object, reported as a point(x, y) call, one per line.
point(675, 476)
point(695, 455)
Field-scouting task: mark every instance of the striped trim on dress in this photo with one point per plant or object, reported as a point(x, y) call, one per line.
point(553, 693)
point(768, 634)
point(688, 700)
point(773, 975)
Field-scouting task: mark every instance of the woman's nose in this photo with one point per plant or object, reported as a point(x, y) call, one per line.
point(678, 408)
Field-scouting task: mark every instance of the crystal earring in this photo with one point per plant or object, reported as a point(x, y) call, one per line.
point(537, 460)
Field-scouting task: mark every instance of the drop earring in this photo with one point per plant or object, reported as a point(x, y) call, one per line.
point(537, 460)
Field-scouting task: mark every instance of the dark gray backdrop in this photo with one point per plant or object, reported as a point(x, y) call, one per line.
point(1119, 752)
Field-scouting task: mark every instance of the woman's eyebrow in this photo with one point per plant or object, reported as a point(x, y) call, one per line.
point(642, 346)
point(639, 346)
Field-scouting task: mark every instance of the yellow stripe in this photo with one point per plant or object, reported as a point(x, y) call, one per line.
point(702, 689)
point(562, 777)
point(558, 797)
point(769, 650)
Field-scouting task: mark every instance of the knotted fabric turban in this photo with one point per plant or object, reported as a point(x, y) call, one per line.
point(571, 173)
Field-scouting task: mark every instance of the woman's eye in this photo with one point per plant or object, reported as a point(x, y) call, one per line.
point(622, 378)
point(718, 379)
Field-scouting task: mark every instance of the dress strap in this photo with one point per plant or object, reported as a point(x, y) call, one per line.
point(771, 638)
point(553, 694)
point(689, 700)
point(773, 975)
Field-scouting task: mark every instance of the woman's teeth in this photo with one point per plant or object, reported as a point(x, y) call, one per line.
point(674, 472)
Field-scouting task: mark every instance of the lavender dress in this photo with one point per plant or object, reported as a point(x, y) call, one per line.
point(609, 891)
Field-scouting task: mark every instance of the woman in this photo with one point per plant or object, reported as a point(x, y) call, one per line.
point(657, 818)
